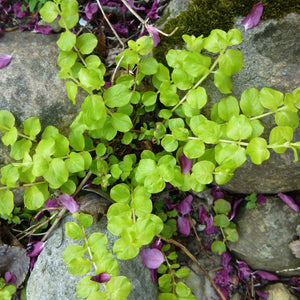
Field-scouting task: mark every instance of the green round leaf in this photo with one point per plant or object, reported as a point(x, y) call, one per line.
point(239, 128)
point(49, 11)
point(250, 103)
point(257, 150)
point(66, 40)
point(270, 98)
point(218, 246)
point(231, 62)
point(6, 203)
point(120, 193)
point(222, 206)
point(203, 171)
point(194, 149)
point(228, 107)
point(86, 43)
point(222, 82)
point(221, 221)
point(169, 143)
point(74, 231)
point(118, 287)
point(148, 65)
point(86, 287)
point(196, 98)
point(33, 198)
point(121, 122)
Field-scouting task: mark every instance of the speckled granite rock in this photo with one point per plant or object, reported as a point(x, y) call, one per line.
point(29, 86)
point(278, 291)
point(271, 59)
point(264, 235)
point(51, 280)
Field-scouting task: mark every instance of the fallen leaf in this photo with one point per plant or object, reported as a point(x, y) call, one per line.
point(4, 60)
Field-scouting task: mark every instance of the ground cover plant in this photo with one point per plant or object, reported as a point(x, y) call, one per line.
point(137, 134)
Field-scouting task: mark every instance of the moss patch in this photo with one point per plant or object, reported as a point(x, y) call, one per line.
point(202, 16)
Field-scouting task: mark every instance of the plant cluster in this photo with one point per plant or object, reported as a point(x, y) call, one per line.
point(132, 156)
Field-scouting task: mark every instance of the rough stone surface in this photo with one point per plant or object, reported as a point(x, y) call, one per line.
point(50, 278)
point(278, 291)
point(264, 235)
point(271, 59)
point(29, 86)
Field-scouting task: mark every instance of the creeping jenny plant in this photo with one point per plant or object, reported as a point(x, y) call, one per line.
point(108, 138)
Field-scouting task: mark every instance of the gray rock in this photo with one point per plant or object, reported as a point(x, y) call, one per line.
point(278, 291)
point(264, 235)
point(271, 59)
point(50, 278)
point(29, 86)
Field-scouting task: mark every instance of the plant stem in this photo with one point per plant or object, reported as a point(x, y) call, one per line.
point(109, 24)
point(234, 142)
point(193, 258)
point(21, 185)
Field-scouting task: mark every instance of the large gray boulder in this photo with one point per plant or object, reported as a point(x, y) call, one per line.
point(51, 280)
point(264, 235)
point(29, 86)
point(271, 59)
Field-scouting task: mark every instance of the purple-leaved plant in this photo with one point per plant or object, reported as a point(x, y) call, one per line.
point(185, 163)
point(9, 278)
point(34, 248)
point(5, 60)
point(253, 18)
point(68, 202)
point(101, 278)
point(289, 201)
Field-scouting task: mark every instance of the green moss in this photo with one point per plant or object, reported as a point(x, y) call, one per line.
point(202, 16)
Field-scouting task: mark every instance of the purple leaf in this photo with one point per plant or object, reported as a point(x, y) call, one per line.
point(210, 228)
point(32, 262)
point(42, 29)
point(102, 277)
point(225, 259)
point(235, 205)
point(262, 294)
point(51, 203)
point(266, 275)
point(261, 199)
point(9, 278)
point(151, 13)
point(4, 60)
point(169, 205)
point(154, 35)
point(153, 275)
point(203, 217)
point(17, 10)
point(222, 278)
point(217, 193)
point(157, 244)
point(185, 163)
point(289, 201)
point(131, 3)
point(90, 9)
point(185, 206)
point(254, 17)
point(68, 202)
point(119, 28)
point(183, 225)
point(35, 248)
point(152, 258)
point(244, 270)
